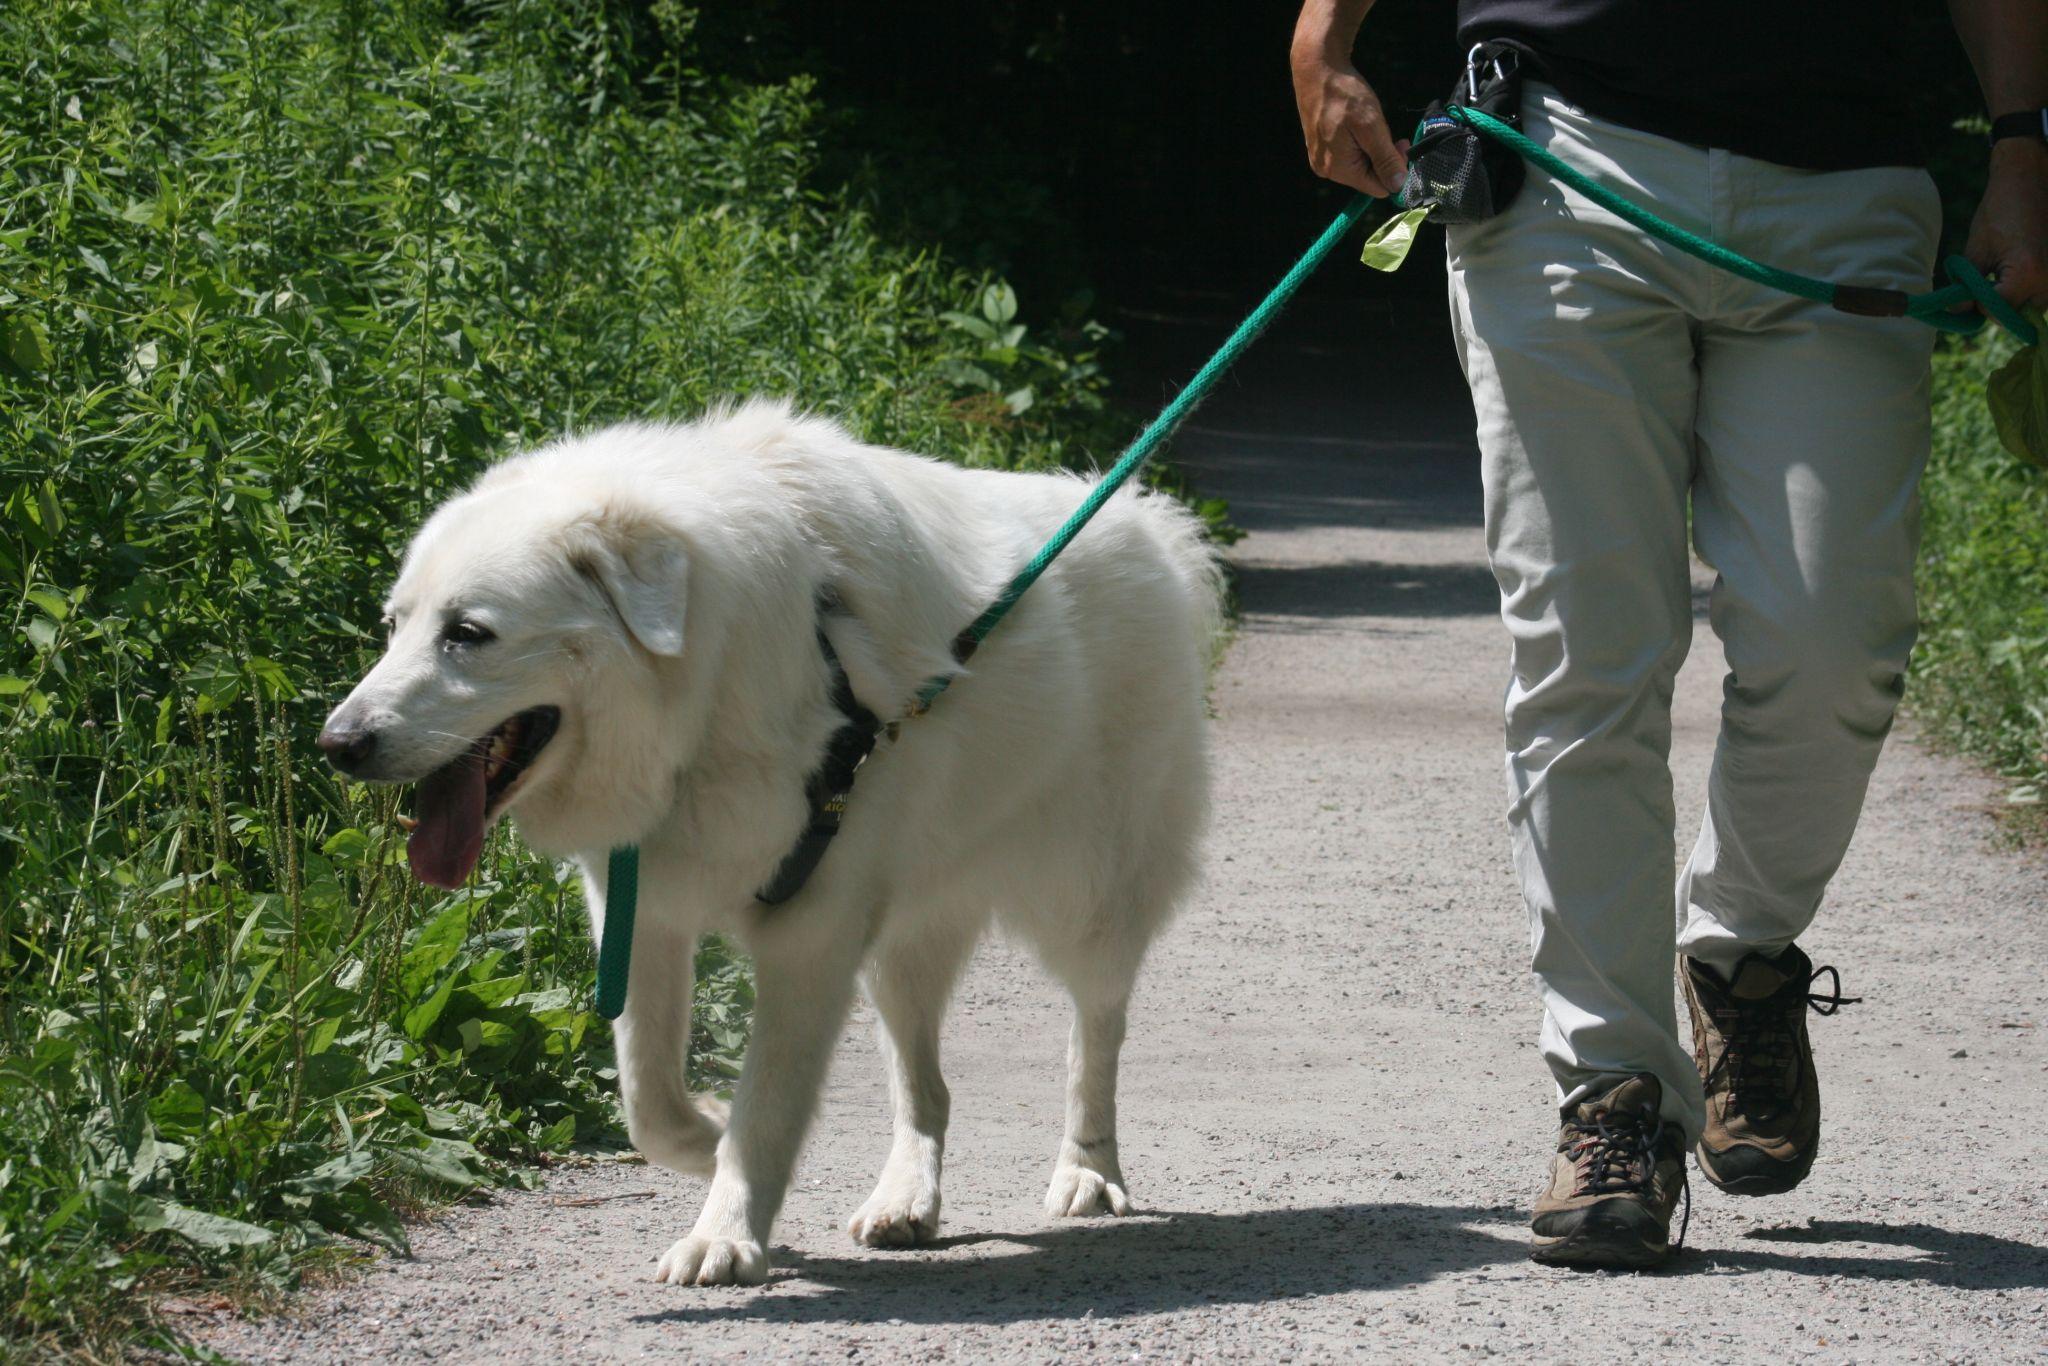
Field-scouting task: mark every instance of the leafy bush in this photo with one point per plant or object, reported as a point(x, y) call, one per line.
point(273, 280)
point(1980, 675)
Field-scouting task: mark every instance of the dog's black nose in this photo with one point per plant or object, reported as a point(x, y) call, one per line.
point(347, 747)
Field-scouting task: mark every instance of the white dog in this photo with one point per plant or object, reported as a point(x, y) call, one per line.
point(619, 638)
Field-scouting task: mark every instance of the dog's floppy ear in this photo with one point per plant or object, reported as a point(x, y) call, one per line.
point(642, 570)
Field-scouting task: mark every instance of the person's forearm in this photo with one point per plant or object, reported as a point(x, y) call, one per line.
point(1328, 28)
point(2008, 45)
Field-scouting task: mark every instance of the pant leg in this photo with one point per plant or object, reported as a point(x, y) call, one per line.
point(1812, 432)
point(1577, 337)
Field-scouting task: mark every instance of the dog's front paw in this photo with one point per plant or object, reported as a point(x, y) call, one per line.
point(1085, 1183)
point(713, 1261)
point(899, 1214)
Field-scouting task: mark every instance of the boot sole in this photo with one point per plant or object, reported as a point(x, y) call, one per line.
point(1615, 1236)
point(1777, 1181)
point(1595, 1253)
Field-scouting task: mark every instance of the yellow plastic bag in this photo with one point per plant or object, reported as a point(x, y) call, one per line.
point(1389, 244)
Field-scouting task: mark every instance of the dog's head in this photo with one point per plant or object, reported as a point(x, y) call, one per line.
point(511, 614)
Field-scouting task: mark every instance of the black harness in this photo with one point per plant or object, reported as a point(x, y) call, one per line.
point(829, 784)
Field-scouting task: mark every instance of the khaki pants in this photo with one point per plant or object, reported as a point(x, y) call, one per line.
point(1615, 379)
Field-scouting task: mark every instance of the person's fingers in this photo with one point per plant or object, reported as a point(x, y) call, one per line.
point(2022, 280)
point(1339, 159)
point(1368, 128)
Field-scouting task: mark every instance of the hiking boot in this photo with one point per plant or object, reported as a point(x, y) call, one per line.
point(1756, 1065)
point(1616, 1179)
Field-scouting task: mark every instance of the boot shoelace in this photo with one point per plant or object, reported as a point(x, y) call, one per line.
point(1761, 1066)
point(1620, 1155)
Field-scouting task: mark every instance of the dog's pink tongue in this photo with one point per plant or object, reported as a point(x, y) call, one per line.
point(449, 806)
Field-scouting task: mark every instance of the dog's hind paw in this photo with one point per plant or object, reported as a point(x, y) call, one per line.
point(713, 1261)
point(1078, 1189)
point(896, 1217)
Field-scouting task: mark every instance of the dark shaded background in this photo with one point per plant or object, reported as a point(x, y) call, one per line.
point(1143, 146)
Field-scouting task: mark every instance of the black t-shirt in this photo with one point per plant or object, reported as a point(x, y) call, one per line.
point(1811, 83)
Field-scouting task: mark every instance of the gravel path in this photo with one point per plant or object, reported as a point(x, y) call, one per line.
point(1333, 1110)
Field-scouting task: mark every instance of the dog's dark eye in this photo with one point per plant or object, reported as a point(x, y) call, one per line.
point(463, 631)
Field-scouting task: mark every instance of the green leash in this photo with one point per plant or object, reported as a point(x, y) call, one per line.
point(1931, 307)
point(622, 869)
point(615, 951)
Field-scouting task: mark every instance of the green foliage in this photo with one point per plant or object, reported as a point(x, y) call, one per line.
point(273, 280)
point(1980, 675)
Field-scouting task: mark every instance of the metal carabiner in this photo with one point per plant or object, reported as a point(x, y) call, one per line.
point(1500, 71)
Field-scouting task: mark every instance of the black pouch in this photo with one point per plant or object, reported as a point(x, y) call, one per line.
point(1459, 174)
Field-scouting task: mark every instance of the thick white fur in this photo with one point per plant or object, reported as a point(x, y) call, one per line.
point(661, 585)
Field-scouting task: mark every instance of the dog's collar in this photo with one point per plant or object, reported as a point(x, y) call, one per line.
point(831, 782)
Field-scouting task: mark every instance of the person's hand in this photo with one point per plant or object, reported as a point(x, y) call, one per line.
point(2009, 236)
point(1346, 130)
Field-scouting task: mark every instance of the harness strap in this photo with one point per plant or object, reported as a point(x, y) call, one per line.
point(828, 786)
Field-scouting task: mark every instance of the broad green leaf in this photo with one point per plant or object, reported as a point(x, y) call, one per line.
point(1390, 243)
point(999, 303)
point(178, 1109)
point(348, 845)
point(441, 1159)
point(434, 948)
point(2018, 395)
point(24, 341)
point(423, 1016)
point(153, 1159)
point(206, 1230)
point(97, 264)
point(335, 1175)
point(65, 1212)
point(321, 1038)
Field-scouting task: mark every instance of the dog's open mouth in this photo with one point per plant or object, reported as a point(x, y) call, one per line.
point(456, 803)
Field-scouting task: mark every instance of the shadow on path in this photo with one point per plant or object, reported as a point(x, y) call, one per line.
point(1161, 1263)
point(1143, 1264)
point(1274, 482)
point(1964, 1261)
point(1368, 588)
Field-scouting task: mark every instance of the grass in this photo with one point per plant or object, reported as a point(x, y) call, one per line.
point(274, 278)
point(1980, 673)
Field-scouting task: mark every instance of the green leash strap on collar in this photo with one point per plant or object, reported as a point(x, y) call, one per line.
point(1931, 307)
point(622, 876)
point(615, 952)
